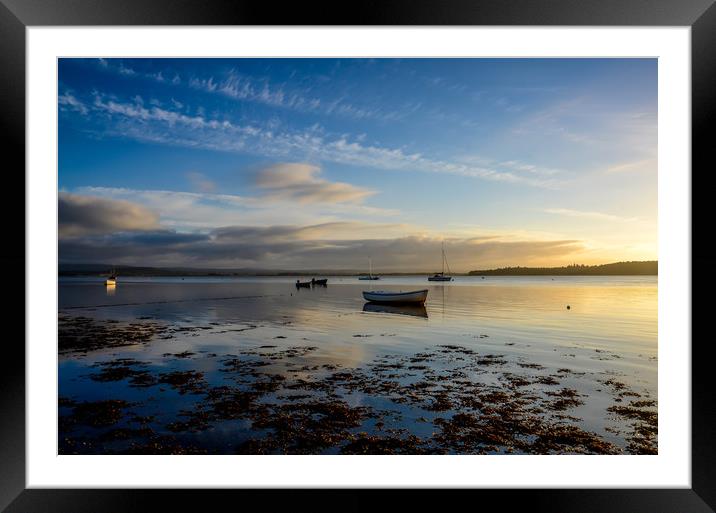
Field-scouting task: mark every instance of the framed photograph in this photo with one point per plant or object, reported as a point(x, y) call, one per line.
point(266, 252)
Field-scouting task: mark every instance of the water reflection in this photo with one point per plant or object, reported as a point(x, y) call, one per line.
point(609, 314)
point(111, 289)
point(299, 343)
point(414, 310)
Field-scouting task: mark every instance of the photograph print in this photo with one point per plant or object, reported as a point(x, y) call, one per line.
point(357, 256)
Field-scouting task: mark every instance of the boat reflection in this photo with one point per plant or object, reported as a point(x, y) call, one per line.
point(111, 289)
point(414, 310)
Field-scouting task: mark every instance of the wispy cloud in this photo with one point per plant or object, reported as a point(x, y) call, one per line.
point(597, 216)
point(530, 168)
point(68, 101)
point(247, 88)
point(138, 111)
point(588, 122)
point(164, 126)
point(643, 165)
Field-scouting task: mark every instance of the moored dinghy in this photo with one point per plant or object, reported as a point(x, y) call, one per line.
point(112, 280)
point(386, 296)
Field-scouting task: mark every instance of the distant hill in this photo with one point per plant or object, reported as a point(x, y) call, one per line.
point(66, 269)
point(619, 268)
point(650, 267)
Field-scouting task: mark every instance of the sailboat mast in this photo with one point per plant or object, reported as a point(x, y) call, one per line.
point(443, 254)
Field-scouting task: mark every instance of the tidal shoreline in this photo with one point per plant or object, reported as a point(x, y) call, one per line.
point(282, 397)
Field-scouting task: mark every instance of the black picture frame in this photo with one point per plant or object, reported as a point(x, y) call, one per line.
point(16, 15)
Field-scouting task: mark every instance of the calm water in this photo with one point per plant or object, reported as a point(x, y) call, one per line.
point(604, 344)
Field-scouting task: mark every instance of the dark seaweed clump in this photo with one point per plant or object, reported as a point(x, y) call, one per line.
point(82, 334)
point(95, 414)
point(644, 424)
point(124, 368)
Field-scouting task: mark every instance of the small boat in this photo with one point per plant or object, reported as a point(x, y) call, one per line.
point(441, 276)
point(322, 282)
point(383, 296)
point(112, 280)
point(300, 283)
point(415, 309)
point(369, 276)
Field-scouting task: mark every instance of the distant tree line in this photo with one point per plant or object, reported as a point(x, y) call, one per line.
point(650, 267)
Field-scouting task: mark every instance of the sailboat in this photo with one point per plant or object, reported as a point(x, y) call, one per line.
point(112, 280)
point(370, 272)
point(441, 276)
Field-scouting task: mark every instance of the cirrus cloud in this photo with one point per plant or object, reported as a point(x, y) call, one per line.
point(156, 125)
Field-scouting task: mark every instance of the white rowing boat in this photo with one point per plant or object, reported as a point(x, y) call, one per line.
point(383, 296)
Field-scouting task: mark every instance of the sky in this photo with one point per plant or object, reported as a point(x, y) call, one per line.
point(325, 163)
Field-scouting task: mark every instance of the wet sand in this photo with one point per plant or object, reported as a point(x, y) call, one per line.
point(275, 372)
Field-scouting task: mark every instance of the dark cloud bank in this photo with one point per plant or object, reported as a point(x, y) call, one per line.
point(86, 215)
point(280, 247)
point(99, 230)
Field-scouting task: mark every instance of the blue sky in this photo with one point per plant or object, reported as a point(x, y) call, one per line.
point(282, 163)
